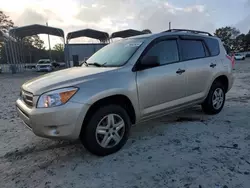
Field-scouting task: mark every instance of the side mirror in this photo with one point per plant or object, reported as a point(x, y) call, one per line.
point(148, 62)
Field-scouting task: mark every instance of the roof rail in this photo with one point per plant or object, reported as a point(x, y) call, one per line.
point(188, 30)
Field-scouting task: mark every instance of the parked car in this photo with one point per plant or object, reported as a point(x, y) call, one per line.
point(30, 66)
point(239, 56)
point(44, 65)
point(55, 64)
point(62, 64)
point(127, 82)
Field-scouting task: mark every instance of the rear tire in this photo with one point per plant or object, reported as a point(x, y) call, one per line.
point(107, 131)
point(215, 100)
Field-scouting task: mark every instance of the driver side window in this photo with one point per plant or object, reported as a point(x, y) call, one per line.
point(166, 51)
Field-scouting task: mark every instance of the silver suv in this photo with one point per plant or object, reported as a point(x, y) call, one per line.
point(128, 81)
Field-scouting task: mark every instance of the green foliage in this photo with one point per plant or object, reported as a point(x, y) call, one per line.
point(30, 42)
point(58, 47)
point(34, 41)
point(234, 39)
point(5, 22)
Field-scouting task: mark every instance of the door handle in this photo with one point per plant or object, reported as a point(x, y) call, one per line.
point(180, 71)
point(212, 65)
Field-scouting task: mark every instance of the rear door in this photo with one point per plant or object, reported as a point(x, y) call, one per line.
point(195, 54)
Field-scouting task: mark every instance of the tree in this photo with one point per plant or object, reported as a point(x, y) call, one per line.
point(58, 52)
point(240, 43)
point(30, 42)
point(228, 36)
point(37, 42)
point(5, 22)
point(34, 41)
point(147, 31)
point(58, 47)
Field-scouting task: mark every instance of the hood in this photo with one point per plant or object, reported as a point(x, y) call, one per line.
point(63, 78)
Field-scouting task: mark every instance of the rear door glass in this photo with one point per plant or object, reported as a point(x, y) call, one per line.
point(213, 46)
point(192, 49)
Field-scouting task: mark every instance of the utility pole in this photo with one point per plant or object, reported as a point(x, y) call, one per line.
point(169, 25)
point(49, 45)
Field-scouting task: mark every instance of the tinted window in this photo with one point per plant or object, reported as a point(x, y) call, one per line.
point(166, 51)
point(192, 49)
point(206, 50)
point(213, 46)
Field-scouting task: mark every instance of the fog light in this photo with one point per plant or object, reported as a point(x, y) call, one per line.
point(54, 131)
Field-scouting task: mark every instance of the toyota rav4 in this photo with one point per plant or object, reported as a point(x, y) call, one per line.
point(126, 82)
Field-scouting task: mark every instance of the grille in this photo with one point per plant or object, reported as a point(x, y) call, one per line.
point(43, 66)
point(27, 98)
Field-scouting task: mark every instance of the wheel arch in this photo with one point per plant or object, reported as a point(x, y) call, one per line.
point(222, 79)
point(118, 99)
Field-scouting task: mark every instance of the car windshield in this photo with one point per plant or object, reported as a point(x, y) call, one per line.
point(237, 54)
point(43, 62)
point(115, 54)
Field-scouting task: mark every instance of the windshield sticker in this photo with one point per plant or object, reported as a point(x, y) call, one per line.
point(133, 44)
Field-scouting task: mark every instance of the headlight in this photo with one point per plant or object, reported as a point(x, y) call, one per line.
point(56, 98)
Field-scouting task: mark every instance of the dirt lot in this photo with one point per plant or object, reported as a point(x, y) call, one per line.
point(188, 149)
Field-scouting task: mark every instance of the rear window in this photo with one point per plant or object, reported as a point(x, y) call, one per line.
point(192, 49)
point(213, 46)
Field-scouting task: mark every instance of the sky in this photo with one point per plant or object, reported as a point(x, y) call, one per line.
point(115, 15)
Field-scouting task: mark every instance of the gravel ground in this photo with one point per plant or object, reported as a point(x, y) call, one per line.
point(187, 149)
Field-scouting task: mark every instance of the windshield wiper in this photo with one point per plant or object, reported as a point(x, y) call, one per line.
point(97, 64)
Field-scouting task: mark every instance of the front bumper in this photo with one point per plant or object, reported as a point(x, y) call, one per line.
point(62, 122)
point(44, 69)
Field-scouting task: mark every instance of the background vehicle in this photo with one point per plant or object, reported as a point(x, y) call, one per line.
point(55, 64)
point(44, 65)
point(127, 82)
point(239, 57)
point(30, 66)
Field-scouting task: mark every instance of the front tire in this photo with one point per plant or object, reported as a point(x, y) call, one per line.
point(107, 131)
point(215, 100)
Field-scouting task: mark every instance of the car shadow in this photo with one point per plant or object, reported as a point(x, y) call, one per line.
point(43, 153)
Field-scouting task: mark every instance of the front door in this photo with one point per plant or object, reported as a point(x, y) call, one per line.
point(162, 87)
